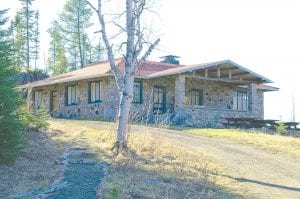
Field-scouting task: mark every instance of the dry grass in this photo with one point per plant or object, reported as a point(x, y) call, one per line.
point(35, 168)
point(155, 167)
point(275, 143)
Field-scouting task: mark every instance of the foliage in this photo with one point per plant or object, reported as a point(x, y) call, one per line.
point(114, 194)
point(37, 120)
point(280, 128)
point(57, 60)
point(10, 125)
point(31, 75)
point(25, 36)
point(74, 22)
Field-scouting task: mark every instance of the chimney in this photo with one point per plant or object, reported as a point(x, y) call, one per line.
point(170, 59)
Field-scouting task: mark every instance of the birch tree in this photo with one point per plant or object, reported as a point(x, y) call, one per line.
point(134, 56)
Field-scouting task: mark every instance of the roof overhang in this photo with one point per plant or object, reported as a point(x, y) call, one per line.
point(225, 70)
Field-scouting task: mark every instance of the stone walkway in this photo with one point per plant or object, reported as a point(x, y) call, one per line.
point(83, 173)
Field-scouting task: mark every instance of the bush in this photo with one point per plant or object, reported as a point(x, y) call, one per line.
point(280, 128)
point(38, 120)
point(10, 125)
point(11, 140)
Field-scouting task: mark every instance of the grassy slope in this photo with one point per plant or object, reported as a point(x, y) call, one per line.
point(275, 143)
point(147, 172)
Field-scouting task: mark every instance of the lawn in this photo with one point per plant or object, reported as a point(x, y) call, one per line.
point(275, 143)
point(154, 168)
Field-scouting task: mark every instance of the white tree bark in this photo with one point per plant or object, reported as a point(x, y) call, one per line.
point(133, 60)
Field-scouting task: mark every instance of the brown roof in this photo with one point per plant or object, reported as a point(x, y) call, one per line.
point(100, 70)
point(149, 69)
point(265, 87)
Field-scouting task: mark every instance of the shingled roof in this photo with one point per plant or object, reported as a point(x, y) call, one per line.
point(148, 70)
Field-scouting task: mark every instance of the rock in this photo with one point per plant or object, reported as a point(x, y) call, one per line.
point(169, 157)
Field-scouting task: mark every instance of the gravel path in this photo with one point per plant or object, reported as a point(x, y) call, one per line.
point(262, 173)
point(83, 174)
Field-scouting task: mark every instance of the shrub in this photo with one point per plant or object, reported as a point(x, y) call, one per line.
point(37, 120)
point(280, 128)
point(10, 125)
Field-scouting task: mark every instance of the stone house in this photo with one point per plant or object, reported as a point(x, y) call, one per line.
point(200, 94)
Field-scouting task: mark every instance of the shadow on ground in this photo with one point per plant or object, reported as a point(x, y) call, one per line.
point(38, 173)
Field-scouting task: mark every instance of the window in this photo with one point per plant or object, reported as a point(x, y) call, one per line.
point(240, 101)
point(159, 99)
point(138, 93)
point(37, 99)
point(196, 97)
point(71, 95)
point(94, 92)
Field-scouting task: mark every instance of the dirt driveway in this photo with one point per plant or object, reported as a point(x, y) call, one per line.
point(261, 173)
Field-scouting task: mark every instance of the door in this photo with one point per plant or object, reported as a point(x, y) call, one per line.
point(53, 102)
point(159, 99)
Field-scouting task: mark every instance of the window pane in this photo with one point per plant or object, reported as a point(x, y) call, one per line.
point(240, 102)
point(97, 91)
point(155, 95)
point(69, 95)
point(196, 96)
point(93, 92)
point(38, 99)
point(73, 98)
point(137, 92)
point(159, 100)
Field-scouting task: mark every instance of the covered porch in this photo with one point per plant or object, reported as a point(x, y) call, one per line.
point(206, 94)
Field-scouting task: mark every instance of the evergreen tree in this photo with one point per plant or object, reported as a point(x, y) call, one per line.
point(10, 138)
point(96, 52)
point(18, 32)
point(36, 39)
point(57, 60)
point(74, 21)
point(26, 36)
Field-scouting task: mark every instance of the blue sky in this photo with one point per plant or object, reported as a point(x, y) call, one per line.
point(262, 35)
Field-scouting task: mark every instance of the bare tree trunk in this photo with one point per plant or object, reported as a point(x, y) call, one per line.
point(79, 42)
point(134, 46)
point(123, 114)
point(27, 35)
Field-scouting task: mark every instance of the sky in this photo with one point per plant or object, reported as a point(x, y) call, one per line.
point(262, 35)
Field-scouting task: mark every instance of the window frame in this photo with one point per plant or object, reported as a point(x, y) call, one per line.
point(161, 109)
point(41, 99)
point(67, 95)
point(90, 92)
point(140, 101)
point(241, 95)
point(200, 94)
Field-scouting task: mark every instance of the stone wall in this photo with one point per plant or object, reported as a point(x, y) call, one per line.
point(104, 110)
point(217, 101)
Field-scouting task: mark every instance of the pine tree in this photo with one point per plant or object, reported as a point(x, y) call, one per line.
point(18, 32)
point(97, 52)
point(26, 36)
point(10, 138)
point(36, 39)
point(75, 20)
point(57, 60)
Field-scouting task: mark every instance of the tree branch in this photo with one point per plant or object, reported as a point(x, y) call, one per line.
point(110, 55)
point(147, 53)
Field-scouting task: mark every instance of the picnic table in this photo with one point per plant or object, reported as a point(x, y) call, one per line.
point(292, 125)
point(248, 123)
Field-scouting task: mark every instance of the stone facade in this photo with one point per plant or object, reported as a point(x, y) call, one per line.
point(217, 100)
